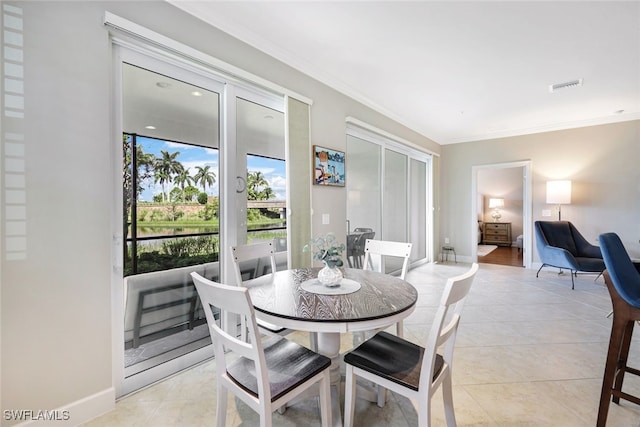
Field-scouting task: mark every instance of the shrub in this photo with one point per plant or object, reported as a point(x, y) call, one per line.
point(156, 215)
point(208, 212)
point(202, 198)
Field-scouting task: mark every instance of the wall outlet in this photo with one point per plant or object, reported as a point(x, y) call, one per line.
point(446, 240)
point(546, 212)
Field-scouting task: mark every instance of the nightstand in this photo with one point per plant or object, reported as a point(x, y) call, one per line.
point(497, 233)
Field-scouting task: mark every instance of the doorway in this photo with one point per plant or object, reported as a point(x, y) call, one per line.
point(501, 214)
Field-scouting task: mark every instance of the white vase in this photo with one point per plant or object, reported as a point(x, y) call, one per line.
point(330, 275)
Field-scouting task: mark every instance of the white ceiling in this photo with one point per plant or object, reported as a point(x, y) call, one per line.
point(455, 71)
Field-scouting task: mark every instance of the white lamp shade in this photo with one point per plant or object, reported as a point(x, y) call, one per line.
point(496, 203)
point(559, 192)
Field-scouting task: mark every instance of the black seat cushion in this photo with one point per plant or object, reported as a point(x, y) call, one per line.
point(393, 358)
point(288, 363)
point(591, 265)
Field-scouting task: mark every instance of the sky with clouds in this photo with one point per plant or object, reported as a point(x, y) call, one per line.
point(191, 156)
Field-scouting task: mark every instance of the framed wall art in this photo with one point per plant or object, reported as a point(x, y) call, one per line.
point(328, 166)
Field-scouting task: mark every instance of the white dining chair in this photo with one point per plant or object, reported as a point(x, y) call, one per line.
point(252, 261)
point(408, 369)
point(263, 374)
point(375, 253)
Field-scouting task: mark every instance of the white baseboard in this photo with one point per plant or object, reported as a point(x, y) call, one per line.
point(73, 414)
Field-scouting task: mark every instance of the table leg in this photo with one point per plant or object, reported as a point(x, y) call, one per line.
point(329, 345)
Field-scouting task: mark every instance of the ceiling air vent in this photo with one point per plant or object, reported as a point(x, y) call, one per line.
point(558, 86)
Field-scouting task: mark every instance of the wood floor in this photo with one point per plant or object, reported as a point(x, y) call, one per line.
point(503, 256)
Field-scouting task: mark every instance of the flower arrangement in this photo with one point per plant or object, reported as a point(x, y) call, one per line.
point(327, 250)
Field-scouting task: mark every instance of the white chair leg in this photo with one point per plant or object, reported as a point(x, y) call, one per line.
point(350, 396)
point(221, 406)
point(325, 399)
point(266, 416)
point(313, 341)
point(447, 394)
point(382, 396)
point(424, 414)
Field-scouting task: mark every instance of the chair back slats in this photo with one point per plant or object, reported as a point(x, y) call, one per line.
point(260, 257)
point(236, 301)
point(376, 250)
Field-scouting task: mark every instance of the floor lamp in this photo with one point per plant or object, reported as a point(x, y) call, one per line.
point(559, 193)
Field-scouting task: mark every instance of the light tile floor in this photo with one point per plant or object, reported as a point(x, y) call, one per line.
point(530, 352)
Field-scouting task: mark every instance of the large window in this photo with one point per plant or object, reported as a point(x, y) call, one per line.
point(172, 214)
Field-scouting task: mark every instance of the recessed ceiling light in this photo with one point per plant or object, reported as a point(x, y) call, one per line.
point(268, 117)
point(196, 93)
point(150, 127)
point(163, 85)
point(618, 112)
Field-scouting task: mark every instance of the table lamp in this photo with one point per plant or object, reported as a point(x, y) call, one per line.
point(495, 204)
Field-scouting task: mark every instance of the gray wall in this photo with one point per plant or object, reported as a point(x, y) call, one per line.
point(602, 161)
point(56, 314)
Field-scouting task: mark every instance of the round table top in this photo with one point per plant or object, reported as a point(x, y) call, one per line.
point(381, 299)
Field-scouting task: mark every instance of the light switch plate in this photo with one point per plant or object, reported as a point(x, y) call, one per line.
point(546, 212)
point(325, 219)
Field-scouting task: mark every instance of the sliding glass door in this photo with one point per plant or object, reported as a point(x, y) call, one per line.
point(387, 192)
point(203, 164)
point(395, 207)
point(364, 189)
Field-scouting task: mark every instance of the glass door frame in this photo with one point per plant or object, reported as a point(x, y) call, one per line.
point(229, 218)
point(229, 90)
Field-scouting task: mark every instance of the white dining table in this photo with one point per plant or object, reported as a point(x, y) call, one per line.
point(294, 299)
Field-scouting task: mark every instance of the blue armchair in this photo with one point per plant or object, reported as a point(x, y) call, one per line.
point(561, 245)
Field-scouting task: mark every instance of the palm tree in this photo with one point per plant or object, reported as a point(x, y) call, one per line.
point(205, 177)
point(144, 165)
point(167, 166)
point(255, 180)
point(267, 193)
point(183, 179)
point(161, 177)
